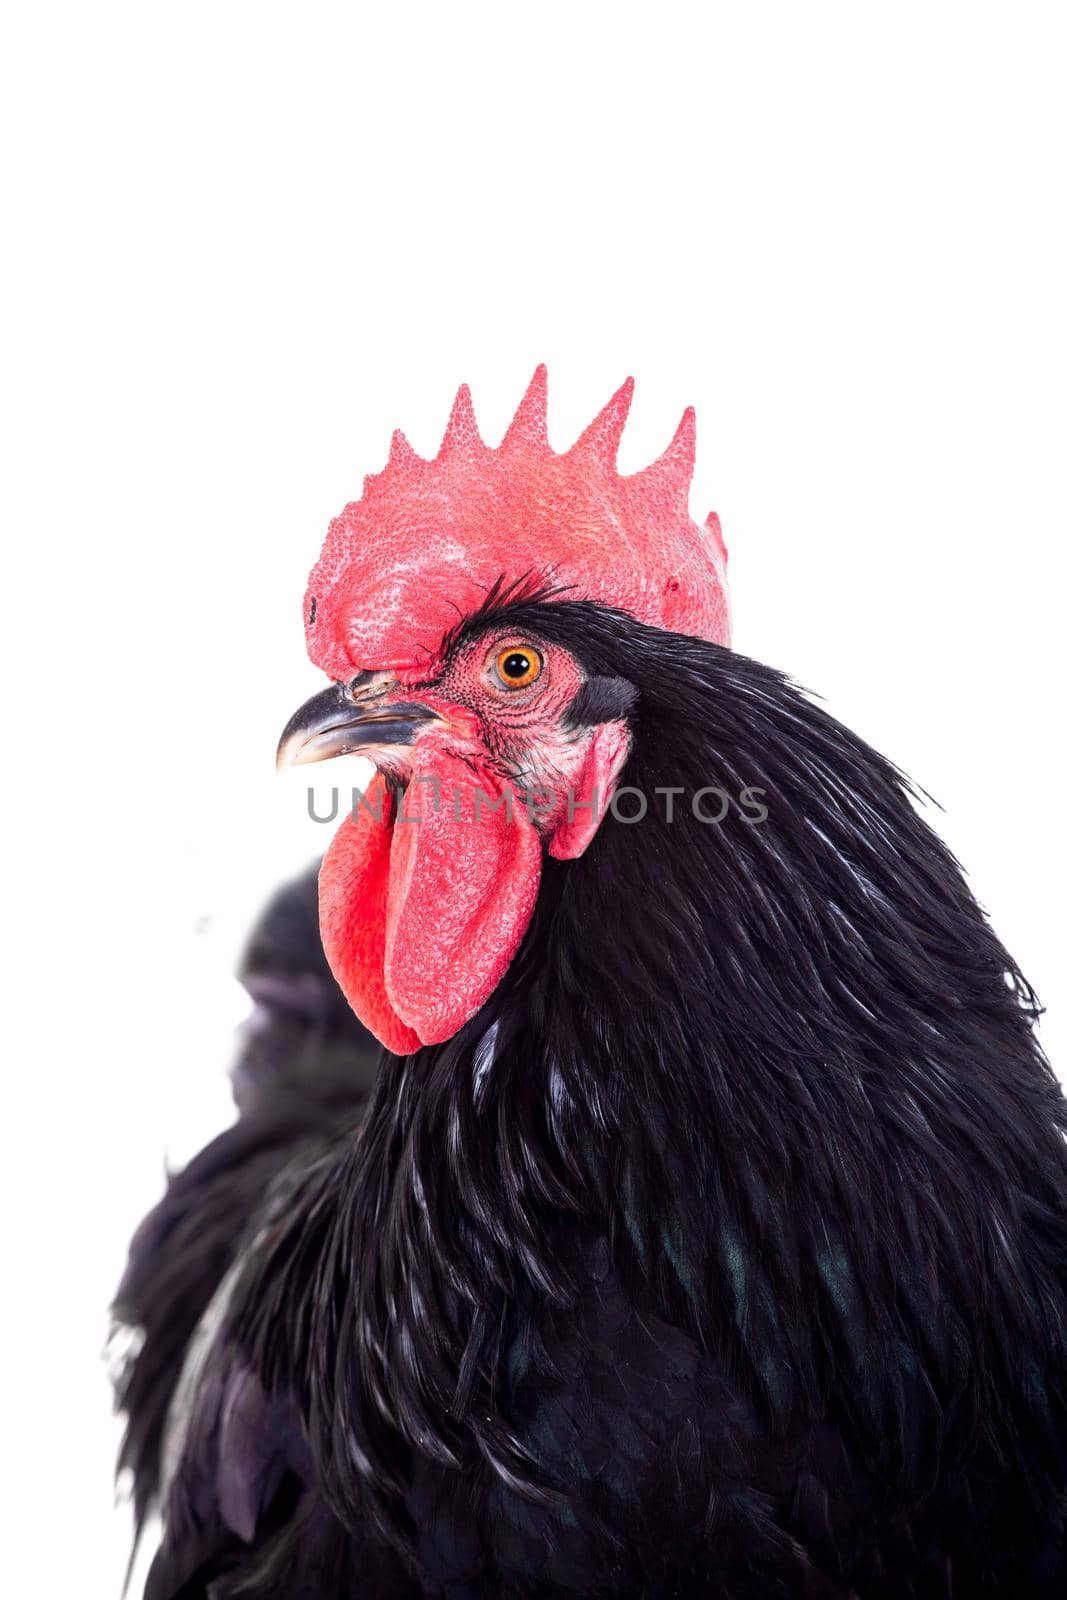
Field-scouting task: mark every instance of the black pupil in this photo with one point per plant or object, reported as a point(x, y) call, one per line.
point(516, 665)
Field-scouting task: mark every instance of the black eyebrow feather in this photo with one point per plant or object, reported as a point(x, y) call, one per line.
point(503, 594)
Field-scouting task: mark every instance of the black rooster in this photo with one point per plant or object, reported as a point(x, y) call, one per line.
point(720, 1250)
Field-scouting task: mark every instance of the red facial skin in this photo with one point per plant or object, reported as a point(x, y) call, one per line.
point(422, 911)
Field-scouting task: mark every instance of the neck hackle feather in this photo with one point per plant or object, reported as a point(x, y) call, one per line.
point(797, 1099)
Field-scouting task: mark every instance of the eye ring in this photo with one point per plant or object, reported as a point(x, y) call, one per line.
point(517, 666)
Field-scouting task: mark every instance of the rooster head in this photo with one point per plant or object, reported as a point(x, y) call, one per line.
point(491, 746)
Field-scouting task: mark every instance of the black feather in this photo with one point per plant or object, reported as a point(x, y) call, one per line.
point(724, 1251)
point(600, 700)
point(305, 1064)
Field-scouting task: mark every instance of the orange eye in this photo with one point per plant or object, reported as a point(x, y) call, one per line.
point(518, 665)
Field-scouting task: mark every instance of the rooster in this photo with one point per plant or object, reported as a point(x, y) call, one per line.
point(705, 1231)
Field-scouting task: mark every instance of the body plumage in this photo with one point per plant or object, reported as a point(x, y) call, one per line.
point(722, 1251)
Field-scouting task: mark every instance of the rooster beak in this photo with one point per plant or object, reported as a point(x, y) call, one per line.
point(351, 718)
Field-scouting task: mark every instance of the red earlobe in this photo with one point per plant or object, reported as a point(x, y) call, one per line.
point(590, 794)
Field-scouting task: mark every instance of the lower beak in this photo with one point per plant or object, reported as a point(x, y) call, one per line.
point(337, 723)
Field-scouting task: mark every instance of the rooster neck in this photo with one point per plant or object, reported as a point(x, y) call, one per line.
point(778, 1068)
point(796, 1041)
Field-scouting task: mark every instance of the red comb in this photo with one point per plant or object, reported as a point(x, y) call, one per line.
point(429, 539)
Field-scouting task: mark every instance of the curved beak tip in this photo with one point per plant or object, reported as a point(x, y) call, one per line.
point(330, 724)
point(288, 753)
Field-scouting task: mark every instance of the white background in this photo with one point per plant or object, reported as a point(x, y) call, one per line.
point(243, 243)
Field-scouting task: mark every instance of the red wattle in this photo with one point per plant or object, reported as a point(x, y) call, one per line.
point(422, 911)
point(463, 880)
point(353, 889)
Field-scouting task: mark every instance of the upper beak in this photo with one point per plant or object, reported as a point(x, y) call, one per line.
point(349, 717)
